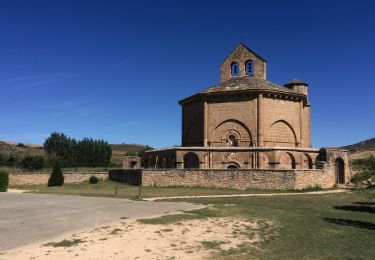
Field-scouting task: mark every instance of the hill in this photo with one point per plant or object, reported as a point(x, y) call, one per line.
point(120, 150)
point(22, 150)
point(362, 149)
point(361, 146)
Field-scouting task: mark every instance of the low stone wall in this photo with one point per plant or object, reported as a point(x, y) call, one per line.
point(234, 179)
point(306, 178)
point(42, 177)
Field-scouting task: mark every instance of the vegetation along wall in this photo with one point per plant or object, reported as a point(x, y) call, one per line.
point(42, 177)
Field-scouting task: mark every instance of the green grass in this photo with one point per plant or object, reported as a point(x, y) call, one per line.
point(329, 226)
point(107, 189)
point(211, 244)
point(115, 231)
point(49, 170)
point(65, 243)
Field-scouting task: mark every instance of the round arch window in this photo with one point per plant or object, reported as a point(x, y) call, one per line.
point(232, 141)
point(249, 68)
point(234, 70)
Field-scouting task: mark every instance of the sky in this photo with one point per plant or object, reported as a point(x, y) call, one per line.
point(115, 70)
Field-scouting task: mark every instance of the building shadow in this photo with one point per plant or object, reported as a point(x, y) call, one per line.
point(358, 208)
point(364, 203)
point(351, 223)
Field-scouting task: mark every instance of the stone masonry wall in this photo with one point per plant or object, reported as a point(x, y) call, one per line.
point(42, 177)
point(237, 179)
point(305, 178)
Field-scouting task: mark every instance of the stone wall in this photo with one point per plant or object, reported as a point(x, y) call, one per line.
point(305, 178)
point(42, 177)
point(238, 179)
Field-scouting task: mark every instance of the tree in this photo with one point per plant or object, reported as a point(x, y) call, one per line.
point(33, 162)
point(4, 181)
point(72, 153)
point(57, 177)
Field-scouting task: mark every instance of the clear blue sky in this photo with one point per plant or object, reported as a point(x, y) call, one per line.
point(116, 69)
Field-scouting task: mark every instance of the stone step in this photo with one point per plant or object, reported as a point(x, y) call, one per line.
point(347, 186)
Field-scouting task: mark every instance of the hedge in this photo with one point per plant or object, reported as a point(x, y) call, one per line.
point(4, 181)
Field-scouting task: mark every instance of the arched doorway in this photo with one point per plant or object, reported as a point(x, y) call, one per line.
point(340, 171)
point(307, 162)
point(191, 161)
point(233, 166)
point(133, 164)
point(287, 161)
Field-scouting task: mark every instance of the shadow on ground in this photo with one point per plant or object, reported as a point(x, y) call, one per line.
point(360, 208)
point(351, 223)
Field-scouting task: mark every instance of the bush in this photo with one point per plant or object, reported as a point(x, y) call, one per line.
point(21, 145)
point(93, 180)
point(33, 162)
point(12, 160)
point(57, 177)
point(366, 171)
point(4, 181)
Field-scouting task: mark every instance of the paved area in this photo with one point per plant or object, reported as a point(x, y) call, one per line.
point(248, 195)
point(27, 218)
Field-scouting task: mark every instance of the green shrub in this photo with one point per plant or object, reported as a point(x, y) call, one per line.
point(4, 181)
point(32, 163)
point(366, 171)
point(57, 177)
point(21, 145)
point(93, 180)
point(12, 160)
point(366, 177)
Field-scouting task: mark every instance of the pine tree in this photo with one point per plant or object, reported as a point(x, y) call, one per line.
point(57, 177)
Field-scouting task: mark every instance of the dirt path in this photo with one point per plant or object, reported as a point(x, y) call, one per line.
point(129, 239)
point(248, 195)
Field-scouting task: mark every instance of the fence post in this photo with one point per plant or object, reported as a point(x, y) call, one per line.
point(116, 190)
point(139, 191)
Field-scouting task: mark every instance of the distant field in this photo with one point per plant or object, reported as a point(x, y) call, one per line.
point(362, 154)
point(118, 150)
point(107, 189)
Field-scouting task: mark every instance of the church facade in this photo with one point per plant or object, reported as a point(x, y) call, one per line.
point(248, 122)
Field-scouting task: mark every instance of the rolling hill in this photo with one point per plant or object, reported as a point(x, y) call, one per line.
point(21, 150)
point(362, 149)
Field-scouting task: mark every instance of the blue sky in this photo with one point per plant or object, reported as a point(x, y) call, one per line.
point(116, 69)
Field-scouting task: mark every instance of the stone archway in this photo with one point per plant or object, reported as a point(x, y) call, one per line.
point(191, 161)
point(233, 166)
point(307, 162)
point(340, 171)
point(287, 161)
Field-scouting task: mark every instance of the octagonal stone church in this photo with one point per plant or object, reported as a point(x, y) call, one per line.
point(248, 122)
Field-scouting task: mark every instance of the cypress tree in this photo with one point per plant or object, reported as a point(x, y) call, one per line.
point(57, 177)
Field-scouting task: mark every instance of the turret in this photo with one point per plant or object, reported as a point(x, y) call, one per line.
point(297, 85)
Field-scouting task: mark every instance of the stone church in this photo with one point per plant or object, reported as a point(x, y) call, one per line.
point(248, 122)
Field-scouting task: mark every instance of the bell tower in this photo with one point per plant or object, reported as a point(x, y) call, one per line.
point(243, 62)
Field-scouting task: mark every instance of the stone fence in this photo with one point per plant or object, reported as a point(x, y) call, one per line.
point(233, 179)
point(42, 177)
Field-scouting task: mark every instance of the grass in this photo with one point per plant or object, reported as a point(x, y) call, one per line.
point(329, 226)
point(107, 189)
point(13, 169)
point(115, 231)
point(211, 244)
point(65, 243)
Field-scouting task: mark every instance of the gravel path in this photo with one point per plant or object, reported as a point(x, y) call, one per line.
point(27, 218)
